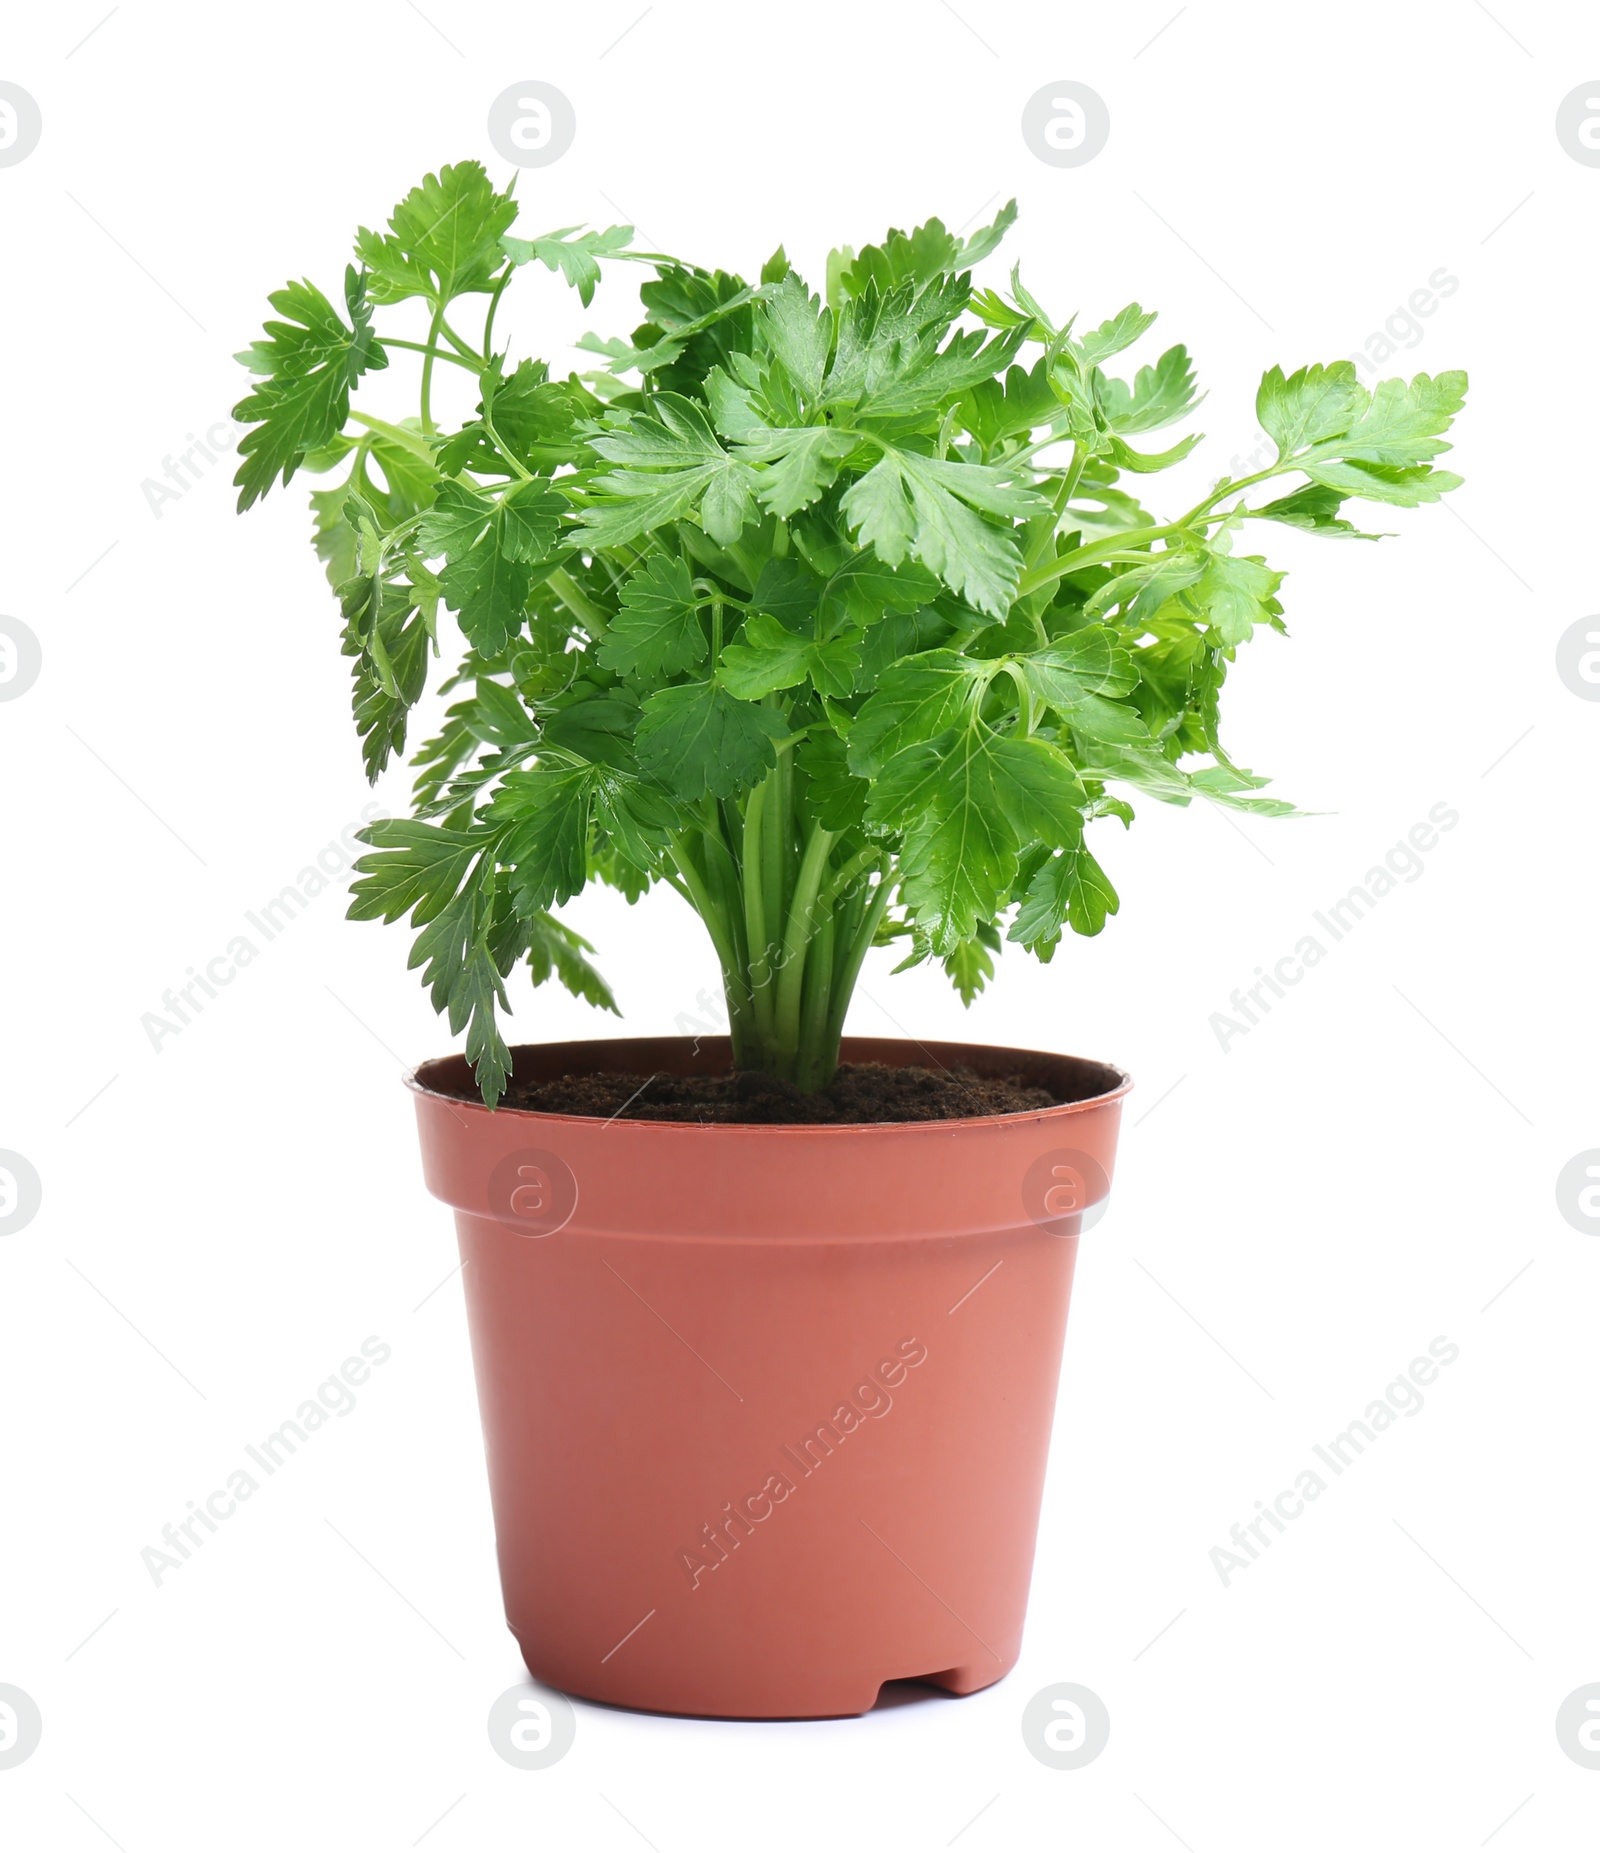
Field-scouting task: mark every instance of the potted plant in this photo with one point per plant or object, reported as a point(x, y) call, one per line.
point(841, 617)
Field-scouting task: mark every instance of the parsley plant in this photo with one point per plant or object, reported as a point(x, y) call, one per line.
point(842, 617)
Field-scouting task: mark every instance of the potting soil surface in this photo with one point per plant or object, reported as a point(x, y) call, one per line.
point(861, 1093)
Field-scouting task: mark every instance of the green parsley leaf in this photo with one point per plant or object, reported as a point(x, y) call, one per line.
point(673, 465)
point(1111, 337)
point(965, 805)
point(1091, 661)
point(793, 467)
point(917, 700)
point(598, 729)
point(968, 968)
point(788, 590)
point(310, 361)
point(1234, 594)
point(658, 631)
point(573, 251)
point(836, 798)
point(443, 238)
point(547, 844)
point(993, 412)
point(555, 950)
point(535, 418)
point(1315, 509)
point(488, 544)
point(698, 741)
point(1070, 889)
point(768, 657)
point(1309, 406)
point(1401, 485)
point(919, 505)
point(864, 589)
point(389, 634)
point(1160, 395)
point(799, 335)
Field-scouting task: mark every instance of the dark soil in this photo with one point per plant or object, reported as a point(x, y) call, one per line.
point(865, 1093)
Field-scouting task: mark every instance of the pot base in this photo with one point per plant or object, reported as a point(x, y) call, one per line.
point(834, 1696)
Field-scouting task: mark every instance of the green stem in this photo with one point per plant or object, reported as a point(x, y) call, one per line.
point(785, 860)
point(798, 931)
point(1025, 711)
point(397, 434)
point(494, 303)
point(1279, 468)
point(769, 869)
point(437, 353)
point(450, 335)
point(755, 905)
point(814, 1056)
point(578, 602)
point(427, 369)
point(1098, 552)
point(1062, 497)
point(1080, 557)
point(705, 905)
point(850, 970)
point(857, 865)
point(722, 876)
point(499, 444)
point(674, 882)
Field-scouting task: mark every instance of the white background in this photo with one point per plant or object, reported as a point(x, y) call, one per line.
point(1295, 1218)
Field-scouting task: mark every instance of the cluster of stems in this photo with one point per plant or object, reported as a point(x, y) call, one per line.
point(790, 920)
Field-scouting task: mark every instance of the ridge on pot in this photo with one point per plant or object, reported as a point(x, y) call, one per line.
point(767, 1407)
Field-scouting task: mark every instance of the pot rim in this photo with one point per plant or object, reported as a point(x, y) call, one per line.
point(1124, 1084)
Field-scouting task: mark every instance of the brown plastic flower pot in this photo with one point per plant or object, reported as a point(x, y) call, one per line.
point(767, 1407)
